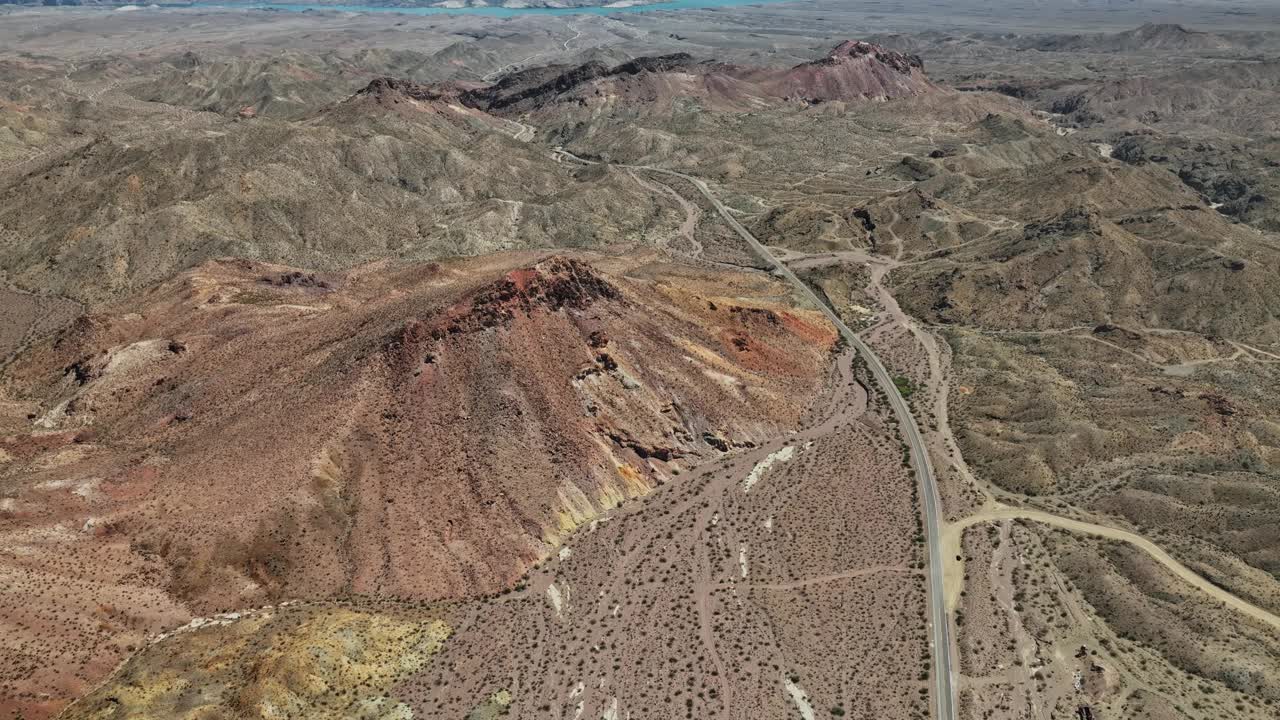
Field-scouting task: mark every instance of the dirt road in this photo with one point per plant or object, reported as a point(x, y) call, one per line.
point(955, 570)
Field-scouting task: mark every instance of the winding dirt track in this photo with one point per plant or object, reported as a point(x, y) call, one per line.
point(955, 571)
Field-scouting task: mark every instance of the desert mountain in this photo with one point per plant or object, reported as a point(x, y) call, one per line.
point(1148, 37)
point(397, 170)
point(1189, 97)
point(246, 432)
point(290, 85)
point(384, 174)
point(1237, 179)
point(853, 70)
point(1099, 242)
point(1079, 268)
point(1167, 36)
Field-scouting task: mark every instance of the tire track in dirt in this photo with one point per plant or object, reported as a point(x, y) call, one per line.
point(954, 569)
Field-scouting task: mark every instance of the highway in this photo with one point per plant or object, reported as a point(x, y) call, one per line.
point(944, 690)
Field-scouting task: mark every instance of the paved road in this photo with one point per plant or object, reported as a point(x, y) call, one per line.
point(940, 626)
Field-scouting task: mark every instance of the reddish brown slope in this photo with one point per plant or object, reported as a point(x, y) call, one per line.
point(853, 70)
point(248, 433)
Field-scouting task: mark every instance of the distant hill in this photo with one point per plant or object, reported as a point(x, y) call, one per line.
point(383, 175)
point(853, 70)
point(1148, 37)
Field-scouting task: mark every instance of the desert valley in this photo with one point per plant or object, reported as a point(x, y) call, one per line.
point(581, 361)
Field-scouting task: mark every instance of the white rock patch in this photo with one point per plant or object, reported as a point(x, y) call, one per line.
point(577, 693)
point(761, 467)
point(556, 598)
point(801, 699)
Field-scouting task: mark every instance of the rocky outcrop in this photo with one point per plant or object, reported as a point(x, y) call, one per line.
point(552, 285)
point(851, 50)
point(855, 70)
point(533, 88)
point(389, 90)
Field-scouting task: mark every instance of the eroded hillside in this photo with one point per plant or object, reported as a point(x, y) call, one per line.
point(247, 433)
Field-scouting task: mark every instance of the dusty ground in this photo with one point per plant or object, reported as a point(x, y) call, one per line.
point(25, 318)
point(1043, 629)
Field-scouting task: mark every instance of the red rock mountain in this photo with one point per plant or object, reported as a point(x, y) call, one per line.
point(248, 432)
point(853, 70)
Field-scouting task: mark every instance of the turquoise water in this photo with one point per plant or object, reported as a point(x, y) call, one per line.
point(498, 11)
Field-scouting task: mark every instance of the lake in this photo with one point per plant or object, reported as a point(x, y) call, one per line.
point(498, 11)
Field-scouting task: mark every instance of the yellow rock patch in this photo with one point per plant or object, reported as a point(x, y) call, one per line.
point(326, 663)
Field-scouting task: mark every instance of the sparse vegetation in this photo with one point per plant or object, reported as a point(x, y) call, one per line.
point(314, 322)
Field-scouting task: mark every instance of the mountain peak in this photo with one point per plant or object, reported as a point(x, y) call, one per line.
point(854, 49)
point(1160, 29)
point(384, 89)
point(551, 285)
point(855, 70)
